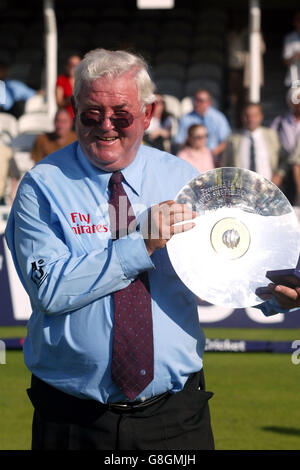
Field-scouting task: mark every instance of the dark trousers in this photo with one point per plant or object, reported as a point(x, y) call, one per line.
point(177, 421)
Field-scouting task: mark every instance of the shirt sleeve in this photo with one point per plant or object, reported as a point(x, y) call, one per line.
point(182, 131)
point(224, 129)
point(294, 157)
point(272, 307)
point(21, 91)
point(288, 50)
point(56, 279)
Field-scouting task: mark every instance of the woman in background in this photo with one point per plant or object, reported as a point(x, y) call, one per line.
point(158, 134)
point(195, 150)
point(65, 84)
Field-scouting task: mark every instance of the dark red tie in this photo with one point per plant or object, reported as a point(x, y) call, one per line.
point(132, 357)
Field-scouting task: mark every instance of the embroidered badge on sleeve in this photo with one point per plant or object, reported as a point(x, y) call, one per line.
point(38, 275)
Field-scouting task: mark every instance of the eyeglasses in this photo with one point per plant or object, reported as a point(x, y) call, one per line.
point(202, 100)
point(199, 136)
point(119, 120)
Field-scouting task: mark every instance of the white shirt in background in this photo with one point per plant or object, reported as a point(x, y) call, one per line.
point(262, 157)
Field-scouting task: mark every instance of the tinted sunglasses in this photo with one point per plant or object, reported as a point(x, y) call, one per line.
point(199, 136)
point(118, 120)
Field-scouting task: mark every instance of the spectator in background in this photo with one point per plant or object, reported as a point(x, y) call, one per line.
point(255, 147)
point(9, 175)
point(215, 122)
point(5, 157)
point(50, 142)
point(16, 93)
point(294, 162)
point(288, 129)
point(65, 85)
point(195, 150)
point(158, 134)
point(291, 52)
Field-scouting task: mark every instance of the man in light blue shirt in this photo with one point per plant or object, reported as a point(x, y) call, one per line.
point(216, 123)
point(16, 94)
point(60, 236)
point(59, 233)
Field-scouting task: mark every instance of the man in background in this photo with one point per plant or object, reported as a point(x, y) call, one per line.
point(287, 127)
point(291, 52)
point(5, 158)
point(214, 120)
point(16, 93)
point(50, 142)
point(255, 147)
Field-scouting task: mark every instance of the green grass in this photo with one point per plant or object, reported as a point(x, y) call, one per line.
point(255, 404)
point(256, 401)
point(12, 331)
point(253, 334)
point(232, 333)
point(15, 407)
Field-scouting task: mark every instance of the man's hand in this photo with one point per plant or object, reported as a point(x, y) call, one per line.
point(160, 224)
point(287, 297)
point(277, 179)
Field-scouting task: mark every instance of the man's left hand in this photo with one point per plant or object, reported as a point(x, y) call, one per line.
point(287, 297)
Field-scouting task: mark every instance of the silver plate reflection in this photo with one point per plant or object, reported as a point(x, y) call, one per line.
point(270, 235)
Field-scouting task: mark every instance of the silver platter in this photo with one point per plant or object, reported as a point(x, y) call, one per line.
point(245, 226)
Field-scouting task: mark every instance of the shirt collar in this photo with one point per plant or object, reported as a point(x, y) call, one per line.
point(132, 173)
point(254, 133)
point(207, 113)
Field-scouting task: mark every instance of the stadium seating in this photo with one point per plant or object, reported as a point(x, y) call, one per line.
point(23, 161)
point(184, 46)
point(34, 123)
point(8, 126)
point(205, 70)
point(167, 69)
point(172, 105)
point(186, 105)
point(24, 142)
point(170, 86)
point(178, 56)
point(35, 104)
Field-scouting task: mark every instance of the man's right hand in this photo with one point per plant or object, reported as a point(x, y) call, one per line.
point(160, 224)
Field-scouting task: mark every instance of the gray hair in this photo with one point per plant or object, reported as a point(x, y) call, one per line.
point(101, 62)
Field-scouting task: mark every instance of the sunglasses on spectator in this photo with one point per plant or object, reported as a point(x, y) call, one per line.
point(118, 120)
point(202, 100)
point(199, 136)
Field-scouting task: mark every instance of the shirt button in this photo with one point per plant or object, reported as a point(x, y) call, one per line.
point(142, 372)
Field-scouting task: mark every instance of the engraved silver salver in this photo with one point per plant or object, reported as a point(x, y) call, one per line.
point(245, 226)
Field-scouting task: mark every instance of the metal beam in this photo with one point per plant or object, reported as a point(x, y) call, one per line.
point(254, 50)
point(50, 55)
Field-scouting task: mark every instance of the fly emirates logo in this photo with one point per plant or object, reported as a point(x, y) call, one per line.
point(82, 224)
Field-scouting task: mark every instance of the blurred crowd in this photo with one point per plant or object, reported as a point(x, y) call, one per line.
point(205, 137)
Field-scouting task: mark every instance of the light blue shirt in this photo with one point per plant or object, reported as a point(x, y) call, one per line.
point(16, 91)
point(217, 126)
point(59, 236)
